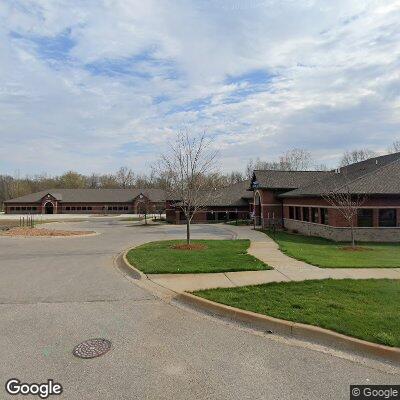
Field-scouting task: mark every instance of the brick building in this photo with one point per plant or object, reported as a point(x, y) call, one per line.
point(230, 203)
point(295, 200)
point(88, 201)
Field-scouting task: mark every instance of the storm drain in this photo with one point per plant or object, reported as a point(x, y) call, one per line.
point(92, 348)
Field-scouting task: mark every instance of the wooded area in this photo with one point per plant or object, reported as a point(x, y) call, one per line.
point(294, 159)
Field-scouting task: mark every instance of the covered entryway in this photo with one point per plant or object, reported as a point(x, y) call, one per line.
point(49, 208)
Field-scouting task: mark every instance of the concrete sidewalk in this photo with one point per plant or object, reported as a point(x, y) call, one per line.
point(285, 269)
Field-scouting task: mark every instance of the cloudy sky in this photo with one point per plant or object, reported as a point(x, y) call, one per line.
point(92, 85)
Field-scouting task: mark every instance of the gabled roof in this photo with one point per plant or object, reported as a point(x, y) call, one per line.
point(237, 194)
point(378, 175)
point(57, 196)
point(272, 179)
point(92, 195)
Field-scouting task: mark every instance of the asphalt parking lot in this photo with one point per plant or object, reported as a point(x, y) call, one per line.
point(57, 292)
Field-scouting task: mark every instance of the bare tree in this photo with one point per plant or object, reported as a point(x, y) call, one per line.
point(354, 156)
point(292, 160)
point(234, 177)
point(93, 181)
point(344, 201)
point(125, 177)
point(321, 167)
point(250, 167)
point(108, 182)
point(394, 147)
point(187, 168)
point(5, 188)
point(259, 164)
point(296, 160)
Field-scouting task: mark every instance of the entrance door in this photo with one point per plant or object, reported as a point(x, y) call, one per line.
point(48, 208)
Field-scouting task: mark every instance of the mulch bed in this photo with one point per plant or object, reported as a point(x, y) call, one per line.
point(41, 232)
point(191, 246)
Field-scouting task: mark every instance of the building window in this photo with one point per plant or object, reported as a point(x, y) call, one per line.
point(34, 208)
point(126, 208)
point(11, 208)
point(291, 212)
point(365, 217)
point(89, 208)
point(210, 216)
point(109, 208)
point(314, 215)
point(298, 213)
point(67, 208)
point(388, 217)
point(120, 208)
point(306, 214)
point(115, 208)
point(222, 216)
point(78, 208)
point(73, 208)
point(324, 216)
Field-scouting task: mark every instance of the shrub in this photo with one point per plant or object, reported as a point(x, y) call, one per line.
point(240, 222)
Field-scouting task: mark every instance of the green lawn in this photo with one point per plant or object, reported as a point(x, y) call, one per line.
point(366, 309)
point(219, 256)
point(328, 254)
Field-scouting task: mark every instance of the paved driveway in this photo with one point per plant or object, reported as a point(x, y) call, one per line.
point(56, 292)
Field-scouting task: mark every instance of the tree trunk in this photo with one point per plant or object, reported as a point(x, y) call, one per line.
point(187, 230)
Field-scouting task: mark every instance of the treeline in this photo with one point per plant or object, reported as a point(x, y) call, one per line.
point(292, 160)
point(11, 187)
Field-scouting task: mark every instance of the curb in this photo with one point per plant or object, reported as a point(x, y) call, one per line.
point(128, 268)
point(133, 272)
point(293, 329)
point(268, 324)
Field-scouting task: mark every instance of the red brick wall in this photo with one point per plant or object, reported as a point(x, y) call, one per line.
point(175, 216)
point(335, 217)
point(97, 208)
point(271, 206)
point(9, 206)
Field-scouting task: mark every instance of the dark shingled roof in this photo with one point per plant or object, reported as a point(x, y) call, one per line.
point(92, 195)
point(271, 179)
point(378, 175)
point(237, 194)
point(234, 195)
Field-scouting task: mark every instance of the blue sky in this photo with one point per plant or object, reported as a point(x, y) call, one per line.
point(95, 85)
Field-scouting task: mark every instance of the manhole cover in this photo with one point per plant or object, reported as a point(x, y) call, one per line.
point(92, 348)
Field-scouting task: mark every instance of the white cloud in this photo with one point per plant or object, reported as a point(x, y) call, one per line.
point(81, 81)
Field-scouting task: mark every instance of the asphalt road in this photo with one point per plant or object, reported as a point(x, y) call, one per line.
point(57, 292)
